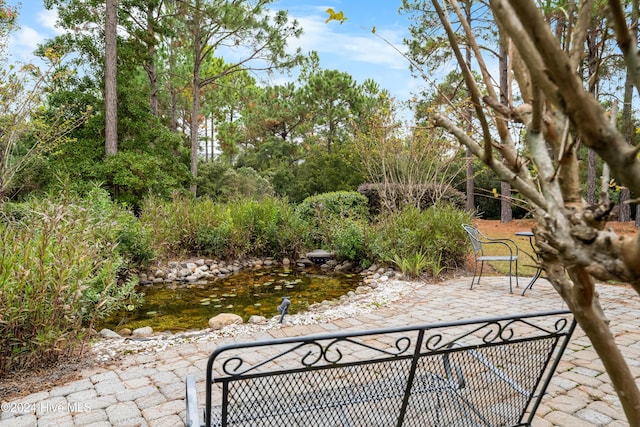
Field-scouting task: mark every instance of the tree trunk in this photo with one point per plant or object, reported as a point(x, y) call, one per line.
point(628, 131)
point(624, 207)
point(152, 72)
point(110, 79)
point(591, 177)
point(584, 303)
point(506, 213)
point(195, 102)
point(470, 203)
point(173, 97)
point(195, 112)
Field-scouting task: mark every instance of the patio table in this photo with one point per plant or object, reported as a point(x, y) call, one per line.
point(530, 235)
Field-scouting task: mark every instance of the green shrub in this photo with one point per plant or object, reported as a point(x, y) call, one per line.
point(325, 212)
point(411, 265)
point(335, 205)
point(234, 229)
point(432, 239)
point(347, 240)
point(61, 271)
point(176, 222)
point(214, 240)
point(429, 194)
point(222, 183)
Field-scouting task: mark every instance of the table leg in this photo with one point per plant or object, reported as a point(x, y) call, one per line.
point(533, 280)
point(530, 235)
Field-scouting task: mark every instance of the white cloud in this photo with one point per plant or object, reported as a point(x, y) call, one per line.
point(24, 42)
point(360, 45)
point(48, 19)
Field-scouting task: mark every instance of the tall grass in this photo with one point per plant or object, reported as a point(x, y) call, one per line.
point(233, 229)
point(60, 271)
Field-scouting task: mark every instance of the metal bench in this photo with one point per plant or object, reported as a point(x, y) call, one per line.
point(487, 372)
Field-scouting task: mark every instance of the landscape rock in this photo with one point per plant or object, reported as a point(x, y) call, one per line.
point(224, 319)
point(108, 333)
point(257, 319)
point(142, 332)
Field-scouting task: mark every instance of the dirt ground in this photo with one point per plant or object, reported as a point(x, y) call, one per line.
point(508, 229)
point(26, 382)
point(29, 381)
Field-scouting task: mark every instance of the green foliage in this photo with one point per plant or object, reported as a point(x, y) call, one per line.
point(29, 130)
point(411, 265)
point(347, 239)
point(334, 205)
point(132, 175)
point(210, 176)
point(61, 265)
point(325, 172)
point(175, 222)
point(214, 240)
point(326, 212)
point(431, 239)
point(150, 158)
point(233, 229)
point(429, 195)
point(242, 183)
point(134, 241)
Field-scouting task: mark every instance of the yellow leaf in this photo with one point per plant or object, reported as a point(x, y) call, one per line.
point(495, 192)
point(333, 16)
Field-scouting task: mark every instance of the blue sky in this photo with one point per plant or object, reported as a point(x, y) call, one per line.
point(349, 47)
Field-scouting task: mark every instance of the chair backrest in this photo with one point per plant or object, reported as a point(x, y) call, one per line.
point(490, 372)
point(474, 236)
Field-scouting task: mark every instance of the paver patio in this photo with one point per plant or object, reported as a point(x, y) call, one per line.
point(148, 389)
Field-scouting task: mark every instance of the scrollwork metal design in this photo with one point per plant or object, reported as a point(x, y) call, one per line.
point(331, 351)
point(492, 332)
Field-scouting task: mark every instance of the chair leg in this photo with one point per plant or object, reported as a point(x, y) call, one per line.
point(475, 270)
point(510, 277)
point(480, 275)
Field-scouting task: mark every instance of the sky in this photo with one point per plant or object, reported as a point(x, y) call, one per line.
point(350, 47)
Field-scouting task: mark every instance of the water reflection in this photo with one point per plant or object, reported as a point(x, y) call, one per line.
point(179, 306)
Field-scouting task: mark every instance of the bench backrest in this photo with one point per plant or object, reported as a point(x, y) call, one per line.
point(489, 372)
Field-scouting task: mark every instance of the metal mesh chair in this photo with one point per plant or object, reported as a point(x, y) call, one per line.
point(489, 372)
point(479, 242)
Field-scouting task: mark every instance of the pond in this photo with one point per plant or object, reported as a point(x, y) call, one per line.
point(180, 306)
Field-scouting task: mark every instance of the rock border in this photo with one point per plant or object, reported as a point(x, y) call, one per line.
point(380, 286)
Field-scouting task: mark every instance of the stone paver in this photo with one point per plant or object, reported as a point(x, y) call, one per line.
point(147, 389)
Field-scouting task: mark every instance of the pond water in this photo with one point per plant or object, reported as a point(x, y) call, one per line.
point(179, 306)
